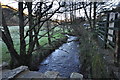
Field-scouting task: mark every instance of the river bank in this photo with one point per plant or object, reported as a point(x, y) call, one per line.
point(97, 63)
point(44, 52)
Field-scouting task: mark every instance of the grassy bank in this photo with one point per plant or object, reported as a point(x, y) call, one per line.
point(93, 64)
point(14, 30)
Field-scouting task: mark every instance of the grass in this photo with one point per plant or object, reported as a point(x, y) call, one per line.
point(93, 64)
point(14, 30)
point(5, 53)
point(98, 65)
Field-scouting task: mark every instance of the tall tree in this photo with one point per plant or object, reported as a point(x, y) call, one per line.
point(25, 55)
point(90, 14)
point(94, 14)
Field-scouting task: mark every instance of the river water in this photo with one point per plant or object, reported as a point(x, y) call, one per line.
point(64, 60)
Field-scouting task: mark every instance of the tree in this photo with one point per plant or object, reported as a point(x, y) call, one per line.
point(94, 14)
point(24, 57)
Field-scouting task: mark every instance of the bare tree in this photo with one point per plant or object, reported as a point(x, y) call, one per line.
point(25, 56)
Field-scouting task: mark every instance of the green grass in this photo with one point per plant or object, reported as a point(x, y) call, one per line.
point(91, 57)
point(4, 53)
point(43, 40)
point(14, 30)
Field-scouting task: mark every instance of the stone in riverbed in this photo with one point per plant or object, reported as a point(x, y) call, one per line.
point(51, 74)
point(76, 75)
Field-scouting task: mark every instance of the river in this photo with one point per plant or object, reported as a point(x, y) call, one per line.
point(64, 60)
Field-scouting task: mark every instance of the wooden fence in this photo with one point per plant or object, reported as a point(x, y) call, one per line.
point(108, 29)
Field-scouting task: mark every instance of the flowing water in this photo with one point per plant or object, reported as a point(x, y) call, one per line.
point(64, 60)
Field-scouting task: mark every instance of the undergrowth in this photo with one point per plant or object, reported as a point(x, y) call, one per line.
point(93, 64)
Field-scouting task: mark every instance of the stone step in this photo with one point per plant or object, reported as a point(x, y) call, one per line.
point(8, 74)
point(5, 71)
point(23, 73)
point(30, 75)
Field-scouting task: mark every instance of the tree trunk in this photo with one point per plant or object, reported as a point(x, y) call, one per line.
point(48, 32)
point(6, 37)
point(21, 31)
point(29, 55)
point(38, 23)
point(83, 3)
point(117, 47)
point(90, 14)
point(94, 16)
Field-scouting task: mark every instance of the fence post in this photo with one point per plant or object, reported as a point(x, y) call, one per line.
point(117, 46)
point(106, 31)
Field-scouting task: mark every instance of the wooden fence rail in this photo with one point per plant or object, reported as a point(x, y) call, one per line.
point(108, 31)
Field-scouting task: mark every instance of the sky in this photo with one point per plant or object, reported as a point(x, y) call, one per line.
point(10, 3)
point(14, 4)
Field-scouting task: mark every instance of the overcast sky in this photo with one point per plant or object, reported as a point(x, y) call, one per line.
point(14, 4)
